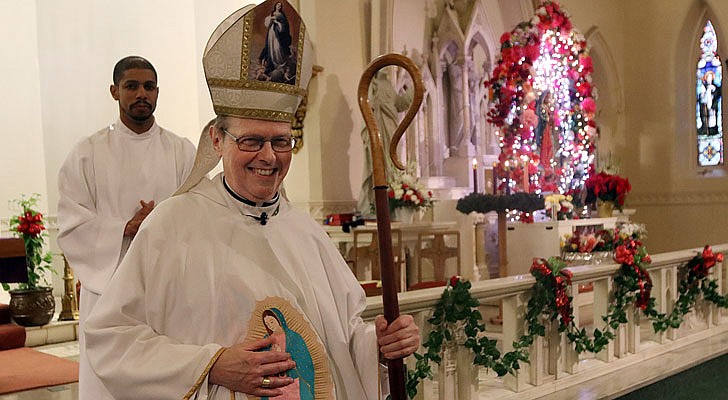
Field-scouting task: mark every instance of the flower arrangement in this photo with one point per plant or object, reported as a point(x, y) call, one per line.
point(602, 240)
point(607, 187)
point(543, 64)
point(29, 226)
point(407, 192)
point(630, 231)
point(563, 206)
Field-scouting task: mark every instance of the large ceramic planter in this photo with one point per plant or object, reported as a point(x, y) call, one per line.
point(32, 307)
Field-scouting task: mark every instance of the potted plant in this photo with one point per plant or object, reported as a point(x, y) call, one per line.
point(407, 196)
point(31, 303)
point(608, 191)
point(560, 207)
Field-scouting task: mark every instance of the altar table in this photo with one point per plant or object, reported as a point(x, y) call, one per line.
point(416, 246)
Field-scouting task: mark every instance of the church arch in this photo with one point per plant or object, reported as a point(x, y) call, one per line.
point(482, 45)
point(610, 103)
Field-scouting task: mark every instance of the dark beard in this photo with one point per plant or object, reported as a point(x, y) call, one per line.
point(141, 118)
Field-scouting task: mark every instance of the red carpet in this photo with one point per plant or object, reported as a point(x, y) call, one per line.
point(25, 368)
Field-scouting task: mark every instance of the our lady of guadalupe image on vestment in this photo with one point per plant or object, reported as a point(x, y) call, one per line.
point(274, 44)
point(275, 317)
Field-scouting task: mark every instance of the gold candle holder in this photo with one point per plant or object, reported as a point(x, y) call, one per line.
point(69, 311)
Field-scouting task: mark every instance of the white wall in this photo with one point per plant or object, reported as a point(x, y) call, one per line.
point(22, 159)
point(57, 70)
point(58, 57)
point(78, 45)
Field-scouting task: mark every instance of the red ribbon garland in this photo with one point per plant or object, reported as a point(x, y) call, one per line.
point(625, 254)
point(541, 270)
point(700, 265)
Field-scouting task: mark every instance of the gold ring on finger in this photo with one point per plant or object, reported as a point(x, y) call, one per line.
point(265, 384)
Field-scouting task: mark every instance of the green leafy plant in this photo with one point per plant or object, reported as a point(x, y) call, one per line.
point(693, 282)
point(29, 226)
point(456, 321)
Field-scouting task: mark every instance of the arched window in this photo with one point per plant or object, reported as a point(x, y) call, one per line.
point(708, 101)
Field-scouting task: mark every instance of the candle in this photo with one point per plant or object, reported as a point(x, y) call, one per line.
point(525, 178)
point(495, 177)
point(475, 175)
point(508, 178)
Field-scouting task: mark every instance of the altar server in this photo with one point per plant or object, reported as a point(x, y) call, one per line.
point(228, 291)
point(108, 185)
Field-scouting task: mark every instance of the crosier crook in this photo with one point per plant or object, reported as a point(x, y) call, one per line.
point(379, 178)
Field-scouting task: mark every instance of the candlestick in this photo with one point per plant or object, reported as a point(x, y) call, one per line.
point(508, 177)
point(475, 175)
point(495, 178)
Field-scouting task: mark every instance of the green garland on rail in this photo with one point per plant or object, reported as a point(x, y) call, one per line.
point(693, 281)
point(456, 321)
point(632, 285)
point(456, 311)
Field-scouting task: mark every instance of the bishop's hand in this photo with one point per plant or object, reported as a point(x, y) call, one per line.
point(245, 368)
point(398, 339)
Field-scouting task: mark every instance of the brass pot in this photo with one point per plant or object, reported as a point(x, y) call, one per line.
point(605, 208)
point(32, 307)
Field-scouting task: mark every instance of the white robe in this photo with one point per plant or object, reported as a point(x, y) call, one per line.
point(188, 286)
point(100, 185)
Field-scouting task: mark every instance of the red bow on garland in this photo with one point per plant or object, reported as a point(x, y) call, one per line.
point(701, 265)
point(631, 255)
point(558, 279)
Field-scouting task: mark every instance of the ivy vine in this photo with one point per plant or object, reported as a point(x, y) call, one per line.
point(693, 282)
point(457, 321)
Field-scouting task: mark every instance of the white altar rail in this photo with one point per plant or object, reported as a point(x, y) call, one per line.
point(556, 370)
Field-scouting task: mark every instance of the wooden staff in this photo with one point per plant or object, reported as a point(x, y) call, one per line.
point(379, 179)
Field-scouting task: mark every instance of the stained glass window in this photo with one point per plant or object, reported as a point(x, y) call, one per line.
point(709, 102)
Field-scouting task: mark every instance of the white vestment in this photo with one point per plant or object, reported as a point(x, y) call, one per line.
point(188, 286)
point(100, 185)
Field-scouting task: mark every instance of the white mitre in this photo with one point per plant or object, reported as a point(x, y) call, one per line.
point(244, 81)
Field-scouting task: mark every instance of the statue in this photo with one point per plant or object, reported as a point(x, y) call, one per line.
point(455, 108)
point(386, 105)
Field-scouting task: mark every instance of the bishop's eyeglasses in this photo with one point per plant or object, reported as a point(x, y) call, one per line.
point(255, 143)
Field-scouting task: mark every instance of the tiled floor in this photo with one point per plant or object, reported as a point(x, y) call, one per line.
point(62, 392)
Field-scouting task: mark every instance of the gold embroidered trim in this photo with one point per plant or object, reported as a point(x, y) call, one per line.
point(256, 85)
point(245, 50)
point(299, 62)
point(268, 115)
point(194, 389)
